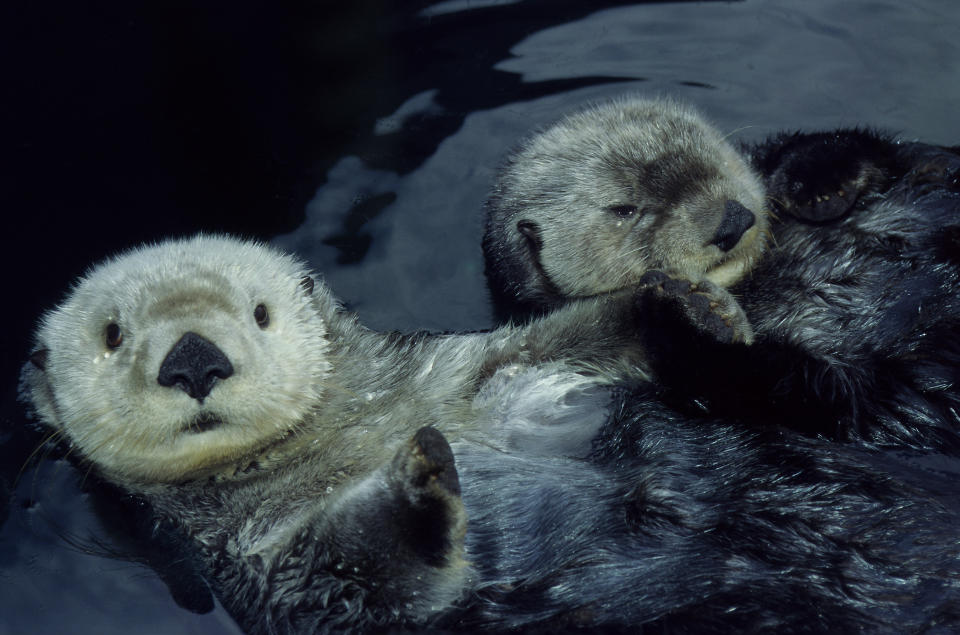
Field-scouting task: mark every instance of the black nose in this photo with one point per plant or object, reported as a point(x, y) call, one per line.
point(737, 219)
point(193, 365)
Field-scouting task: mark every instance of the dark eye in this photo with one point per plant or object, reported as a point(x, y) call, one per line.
point(261, 316)
point(623, 211)
point(114, 336)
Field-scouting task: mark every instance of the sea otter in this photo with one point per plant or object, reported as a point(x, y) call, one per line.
point(207, 374)
point(149, 335)
point(593, 202)
point(851, 288)
point(323, 477)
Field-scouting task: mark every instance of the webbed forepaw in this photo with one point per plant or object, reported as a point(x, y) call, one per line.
point(424, 467)
point(822, 207)
point(819, 177)
point(699, 306)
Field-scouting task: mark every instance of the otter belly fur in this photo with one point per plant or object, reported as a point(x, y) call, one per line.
point(851, 289)
point(297, 458)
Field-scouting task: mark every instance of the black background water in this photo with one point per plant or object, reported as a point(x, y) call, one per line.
point(363, 135)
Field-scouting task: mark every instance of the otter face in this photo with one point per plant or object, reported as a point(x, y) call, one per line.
point(174, 360)
point(614, 191)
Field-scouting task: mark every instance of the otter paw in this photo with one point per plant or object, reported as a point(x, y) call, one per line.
point(819, 177)
point(701, 306)
point(424, 467)
point(423, 477)
point(825, 206)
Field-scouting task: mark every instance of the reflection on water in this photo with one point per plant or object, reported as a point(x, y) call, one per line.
point(395, 221)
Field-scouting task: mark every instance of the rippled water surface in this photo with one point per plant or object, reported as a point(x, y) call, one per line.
point(370, 156)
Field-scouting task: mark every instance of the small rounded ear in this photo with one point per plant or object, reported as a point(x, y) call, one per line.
point(306, 284)
point(531, 231)
point(39, 358)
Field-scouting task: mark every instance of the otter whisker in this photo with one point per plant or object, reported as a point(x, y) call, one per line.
point(46, 445)
point(736, 130)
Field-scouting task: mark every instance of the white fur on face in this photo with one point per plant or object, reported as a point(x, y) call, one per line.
point(108, 402)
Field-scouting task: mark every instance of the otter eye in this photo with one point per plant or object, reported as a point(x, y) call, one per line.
point(623, 211)
point(261, 316)
point(114, 336)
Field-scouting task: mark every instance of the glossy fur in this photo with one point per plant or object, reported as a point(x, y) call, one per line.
point(691, 524)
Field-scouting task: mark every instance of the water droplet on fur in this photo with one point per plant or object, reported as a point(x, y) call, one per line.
point(329, 489)
point(369, 396)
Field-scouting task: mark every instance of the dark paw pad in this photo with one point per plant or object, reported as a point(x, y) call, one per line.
point(820, 177)
point(702, 306)
point(427, 513)
point(825, 206)
point(425, 466)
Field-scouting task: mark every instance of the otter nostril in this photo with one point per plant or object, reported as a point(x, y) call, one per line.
point(736, 220)
point(193, 365)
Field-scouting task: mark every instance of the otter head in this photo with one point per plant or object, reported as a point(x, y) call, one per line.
point(598, 199)
point(174, 361)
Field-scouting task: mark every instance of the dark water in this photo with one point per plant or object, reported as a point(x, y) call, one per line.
point(363, 137)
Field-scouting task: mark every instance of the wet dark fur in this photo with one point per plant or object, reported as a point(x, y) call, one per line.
point(855, 306)
point(666, 522)
point(671, 519)
point(857, 320)
point(665, 519)
point(682, 524)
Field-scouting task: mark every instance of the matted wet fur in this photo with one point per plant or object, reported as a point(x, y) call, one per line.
point(852, 298)
point(691, 524)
